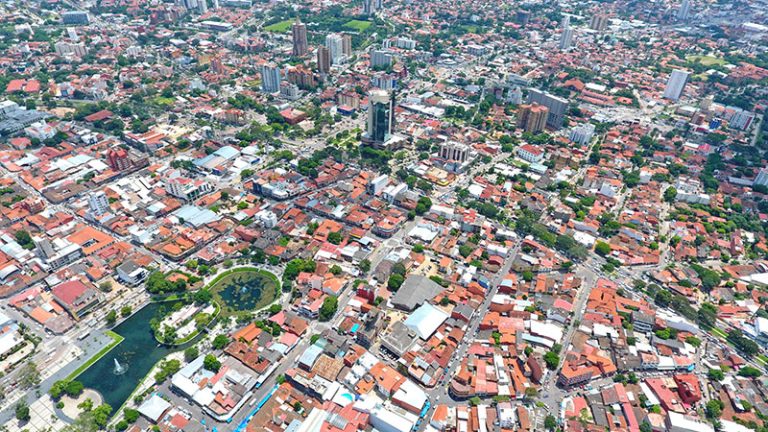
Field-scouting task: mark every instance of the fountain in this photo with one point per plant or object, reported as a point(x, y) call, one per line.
point(119, 369)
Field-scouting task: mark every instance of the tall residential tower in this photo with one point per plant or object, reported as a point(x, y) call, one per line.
point(299, 32)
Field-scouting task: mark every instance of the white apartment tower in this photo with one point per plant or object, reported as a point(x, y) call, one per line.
point(98, 203)
point(676, 84)
point(270, 78)
point(335, 44)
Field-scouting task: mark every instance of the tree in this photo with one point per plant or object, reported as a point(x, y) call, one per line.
point(335, 270)
point(131, 415)
point(84, 422)
point(125, 311)
point(531, 392)
point(329, 307)
point(29, 376)
point(602, 248)
point(423, 205)
point(750, 372)
point(101, 414)
point(22, 411)
point(465, 250)
point(244, 174)
point(220, 341)
point(202, 296)
point(709, 278)
point(296, 266)
point(24, 239)
point(57, 389)
point(527, 275)
point(111, 317)
point(550, 422)
point(715, 375)
point(74, 388)
point(663, 298)
point(335, 237)
point(714, 409)
point(167, 368)
point(399, 268)
point(211, 363)
point(746, 345)
point(693, 341)
point(202, 320)
point(395, 282)
point(670, 194)
point(365, 265)
point(275, 309)
point(552, 360)
point(191, 353)
point(86, 405)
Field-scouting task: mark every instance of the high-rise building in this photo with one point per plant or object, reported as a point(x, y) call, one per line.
point(566, 38)
point(118, 160)
point(270, 78)
point(598, 22)
point(75, 17)
point(217, 66)
point(190, 5)
point(685, 10)
point(515, 96)
point(323, 60)
point(582, 134)
point(44, 247)
point(454, 151)
point(522, 17)
point(289, 90)
point(380, 58)
point(335, 46)
point(65, 48)
point(369, 7)
point(381, 116)
point(384, 81)
point(349, 99)
point(302, 77)
point(676, 84)
point(762, 177)
point(98, 203)
point(202, 6)
point(557, 106)
point(346, 45)
point(532, 118)
point(215, 4)
point(299, 31)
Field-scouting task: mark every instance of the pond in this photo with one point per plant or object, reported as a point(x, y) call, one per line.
point(116, 375)
point(246, 290)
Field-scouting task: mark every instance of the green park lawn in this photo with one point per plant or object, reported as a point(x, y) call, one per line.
point(358, 25)
point(280, 27)
point(706, 60)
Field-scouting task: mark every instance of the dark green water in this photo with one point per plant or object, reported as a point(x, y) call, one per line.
point(245, 291)
point(137, 353)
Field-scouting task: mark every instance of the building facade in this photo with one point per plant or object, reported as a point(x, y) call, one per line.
point(676, 84)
